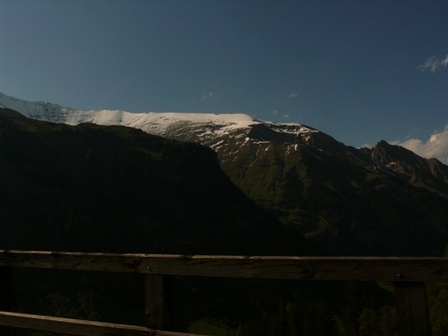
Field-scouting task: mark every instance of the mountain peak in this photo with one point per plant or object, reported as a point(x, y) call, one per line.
point(405, 162)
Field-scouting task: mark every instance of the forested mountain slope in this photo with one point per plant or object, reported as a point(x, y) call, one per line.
point(117, 189)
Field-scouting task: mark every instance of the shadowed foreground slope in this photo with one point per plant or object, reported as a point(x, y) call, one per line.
point(117, 189)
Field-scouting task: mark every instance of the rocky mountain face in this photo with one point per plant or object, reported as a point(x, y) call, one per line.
point(427, 173)
point(385, 200)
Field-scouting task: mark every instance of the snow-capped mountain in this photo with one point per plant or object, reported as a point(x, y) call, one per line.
point(195, 127)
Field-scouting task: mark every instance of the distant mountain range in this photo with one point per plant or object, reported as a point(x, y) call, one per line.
point(381, 200)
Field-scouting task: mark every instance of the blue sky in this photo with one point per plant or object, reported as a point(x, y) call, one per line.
point(360, 71)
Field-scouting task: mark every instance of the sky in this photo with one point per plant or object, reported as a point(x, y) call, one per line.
point(360, 71)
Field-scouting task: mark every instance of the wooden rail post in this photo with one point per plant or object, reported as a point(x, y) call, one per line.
point(159, 301)
point(7, 298)
point(412, 309)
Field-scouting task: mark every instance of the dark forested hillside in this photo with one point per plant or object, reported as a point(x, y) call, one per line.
point(97, 188)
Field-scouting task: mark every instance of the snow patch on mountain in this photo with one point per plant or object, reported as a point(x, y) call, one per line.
point(190, 126)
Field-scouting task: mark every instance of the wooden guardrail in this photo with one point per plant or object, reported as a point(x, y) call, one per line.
point(408, 274)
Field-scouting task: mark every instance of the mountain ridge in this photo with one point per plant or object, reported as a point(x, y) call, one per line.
point(382, 200)
point(213, 129)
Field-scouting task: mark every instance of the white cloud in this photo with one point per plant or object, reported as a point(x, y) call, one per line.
point(434, 64)
point(207, 95)
point(274, 112)
point(435, 147)
point(286, 116)
point(293, 95)
point(444, 62)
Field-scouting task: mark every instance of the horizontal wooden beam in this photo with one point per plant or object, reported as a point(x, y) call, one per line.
point(78, 327)
point(423, 269)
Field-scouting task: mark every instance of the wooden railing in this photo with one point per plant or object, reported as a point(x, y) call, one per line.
point(408, 274)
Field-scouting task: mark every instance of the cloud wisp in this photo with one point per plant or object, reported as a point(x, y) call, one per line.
point(284, 116)
point(293, 95)
point(434, 64)
point(435, 147)
point(207, 95)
